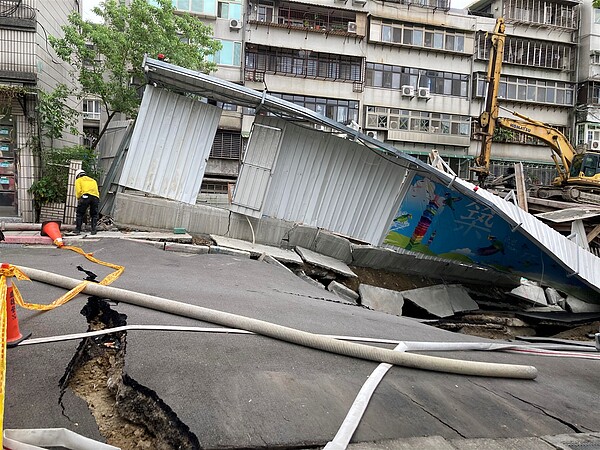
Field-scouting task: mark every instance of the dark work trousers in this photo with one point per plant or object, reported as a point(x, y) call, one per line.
point(84, 202)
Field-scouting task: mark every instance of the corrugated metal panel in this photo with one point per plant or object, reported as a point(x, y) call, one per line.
point(255, 173)
point(170, 145)
point(320, 180)
point(109, 144)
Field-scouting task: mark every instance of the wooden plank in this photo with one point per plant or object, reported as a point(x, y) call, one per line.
point(521, 187)
point(592, 234)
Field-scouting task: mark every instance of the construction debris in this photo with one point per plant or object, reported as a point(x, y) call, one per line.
point(381, 299)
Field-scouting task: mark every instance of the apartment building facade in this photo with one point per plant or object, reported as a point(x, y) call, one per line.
point(27, 65)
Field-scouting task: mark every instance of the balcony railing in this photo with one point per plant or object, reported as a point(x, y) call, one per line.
point(17, 14)
point(17, 56)
point(325, 22)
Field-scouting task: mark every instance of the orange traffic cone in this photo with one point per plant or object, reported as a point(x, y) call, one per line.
point(52, 228)
point(13, 334)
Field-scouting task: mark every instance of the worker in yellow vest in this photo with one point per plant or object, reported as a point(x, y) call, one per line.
point(86, 191)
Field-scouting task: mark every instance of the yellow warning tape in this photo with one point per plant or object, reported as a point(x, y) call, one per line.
point(14, 272)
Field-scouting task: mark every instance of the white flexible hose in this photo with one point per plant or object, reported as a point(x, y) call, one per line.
point(292, 335)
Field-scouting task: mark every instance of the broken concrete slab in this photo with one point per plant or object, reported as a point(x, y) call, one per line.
point(218, 250)
point(531, 293)
point(552, 296)
point(333, 245)
point(157, 236)
point(300, 236)
point(343, 291)
point(285, 256)
point(186, 248)
point(441, 300)
point(381, 299)
point(579, 306)
point(310, 280)
point(327, 262)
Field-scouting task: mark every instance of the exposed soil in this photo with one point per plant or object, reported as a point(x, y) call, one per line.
point(129, 415)
point(390, 280)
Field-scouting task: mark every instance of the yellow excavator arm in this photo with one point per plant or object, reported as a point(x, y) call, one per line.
point(563, 151)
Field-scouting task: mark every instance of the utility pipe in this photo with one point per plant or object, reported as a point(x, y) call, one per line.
point(291, 335)
point(16, 226)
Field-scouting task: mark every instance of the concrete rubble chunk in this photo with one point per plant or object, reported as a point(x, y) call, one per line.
point(530, 292)
point(282, 255)
point(552, 296)
point(381, 299)
point(441, 300)
point(332, 245)
point(217, 250)
point(310, 280)
point(343, 291)
point(326, 262)
point(579, 306)
point(300, 236)
point(186, 248)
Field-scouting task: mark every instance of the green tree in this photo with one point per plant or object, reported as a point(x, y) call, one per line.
point(106, 58)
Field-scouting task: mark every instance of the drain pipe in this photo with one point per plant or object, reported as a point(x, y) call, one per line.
point(291, 335)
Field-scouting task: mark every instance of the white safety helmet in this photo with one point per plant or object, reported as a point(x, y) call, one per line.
point(79, 173)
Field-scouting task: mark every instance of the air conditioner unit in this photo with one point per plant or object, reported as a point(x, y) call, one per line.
point(373, 134)
point(595, 145)
point(351, 27)
point(235, 24)
point(320, 127)
point(359, 2)
point(408, 91)
point(423, 93)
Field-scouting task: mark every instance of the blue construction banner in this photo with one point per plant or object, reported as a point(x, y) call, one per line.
point(439, 221)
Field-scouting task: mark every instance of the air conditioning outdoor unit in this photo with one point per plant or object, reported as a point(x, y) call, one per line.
point(351, 27)
point(408, 91)
point(424, 93)
point(320, 127)
point(595, 145)
point(235, 24)
point(373, 134)
point(359, 2)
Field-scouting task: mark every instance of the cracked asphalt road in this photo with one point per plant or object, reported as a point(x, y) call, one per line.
point(247, 391)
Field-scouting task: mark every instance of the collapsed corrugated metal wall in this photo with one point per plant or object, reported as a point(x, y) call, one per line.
point(299, 174)
point(285, 175)
point(171, 142)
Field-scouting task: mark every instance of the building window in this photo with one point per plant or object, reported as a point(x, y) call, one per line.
point(302, 63)
point(229, 10)
point(265, 12)
point(596, 15)
point(206, 7)
point(417, 36)
point(229, 55)
point(545, 54)
point(91, 109)
point(394, 77)
point(594, 93)
point(378, 117)
point(227, 145)
point(542, 12)
point(342, 111)
point(530, 90)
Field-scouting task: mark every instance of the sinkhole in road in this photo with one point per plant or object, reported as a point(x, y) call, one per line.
point(128, 415)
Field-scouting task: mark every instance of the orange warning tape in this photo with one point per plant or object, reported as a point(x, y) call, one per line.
point(14, 272)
